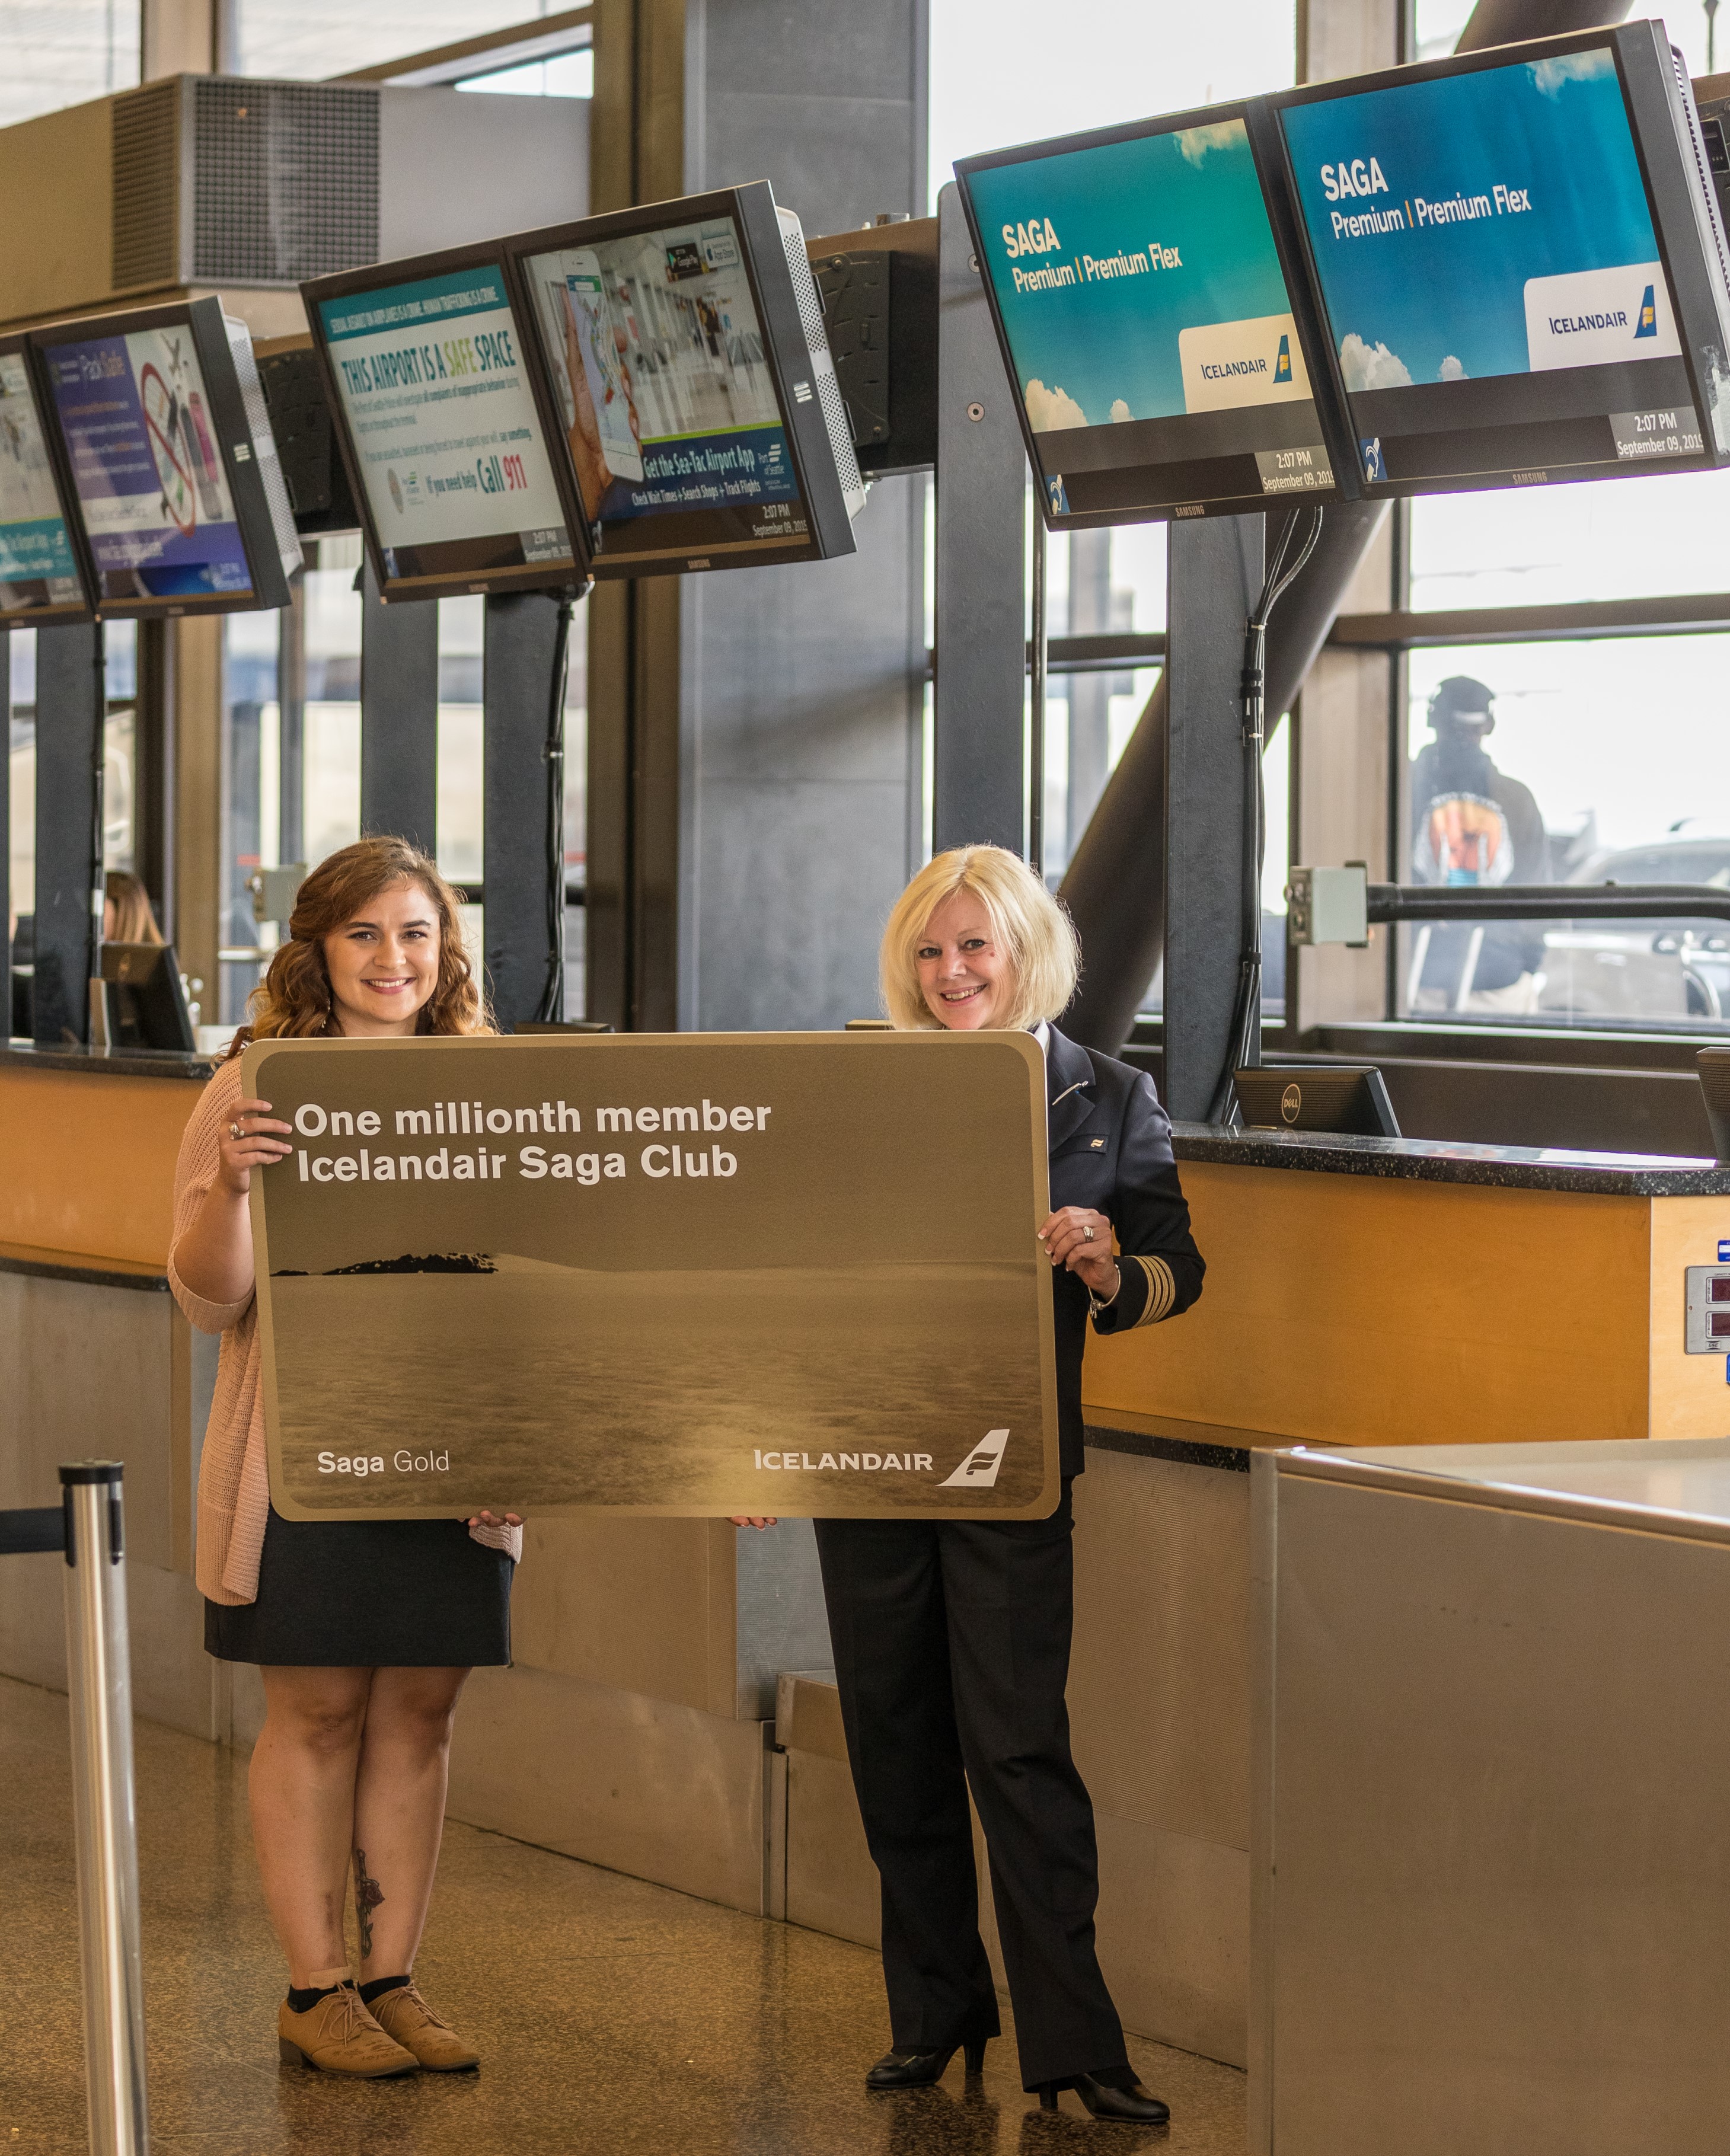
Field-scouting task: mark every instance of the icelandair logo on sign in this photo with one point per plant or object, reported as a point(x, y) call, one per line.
point(978, 1471)
point(1232, 363)
point(1591, 317)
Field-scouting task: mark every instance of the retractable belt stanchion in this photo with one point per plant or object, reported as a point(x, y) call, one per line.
point(100, 1679)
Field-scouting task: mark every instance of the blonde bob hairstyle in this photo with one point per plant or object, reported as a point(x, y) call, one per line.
point(1029, 928)
point(294, 1001)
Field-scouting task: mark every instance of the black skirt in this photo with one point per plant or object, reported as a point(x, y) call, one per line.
point(369, 1594)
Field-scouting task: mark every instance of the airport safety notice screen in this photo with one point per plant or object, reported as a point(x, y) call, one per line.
point(134, 413)
point(1491, 277)
point(444, 428)
point(1149, 327)
point(36, 568)
point(670, 406)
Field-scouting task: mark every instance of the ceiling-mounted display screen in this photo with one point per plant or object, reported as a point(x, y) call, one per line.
point(41, 578)
point(444, 440)
point(1158, 352)
point(173, 473)
point(684, 350)
point(1520, 264)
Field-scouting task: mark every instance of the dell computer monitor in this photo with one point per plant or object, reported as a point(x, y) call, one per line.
point(173, 473)
point(146, 1004)
point(1521, 261)
point(688, 379)
point(1347, 1099)
point(444, 441)
point(41, 575)
point(1160, 348)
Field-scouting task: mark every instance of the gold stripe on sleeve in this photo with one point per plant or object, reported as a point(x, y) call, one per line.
point(1161, 1292)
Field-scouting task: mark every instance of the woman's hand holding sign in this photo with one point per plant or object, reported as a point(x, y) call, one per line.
point(246, 1142)
point(1080, 1242)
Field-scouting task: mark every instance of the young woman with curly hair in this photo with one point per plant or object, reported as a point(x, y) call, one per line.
point(364, 1631)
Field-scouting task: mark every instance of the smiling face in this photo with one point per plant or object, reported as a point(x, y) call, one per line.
point(967, 982)
point(384, 963)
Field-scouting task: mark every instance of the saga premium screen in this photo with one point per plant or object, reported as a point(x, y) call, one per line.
point(1491, 277)
point(1149, 329)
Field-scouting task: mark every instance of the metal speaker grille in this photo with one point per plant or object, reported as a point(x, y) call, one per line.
point(286, 180)
point(823, 365)
point(145, 206)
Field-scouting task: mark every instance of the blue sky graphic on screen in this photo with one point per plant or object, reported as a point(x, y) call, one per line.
point(1138, 280)
point(1487, 224)
point(135, 412)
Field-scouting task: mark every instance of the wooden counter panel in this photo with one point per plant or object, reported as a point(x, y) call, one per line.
point(1690, 1396)
point(1354, 1311)
point(87, 1164)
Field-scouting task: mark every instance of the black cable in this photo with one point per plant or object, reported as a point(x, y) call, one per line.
point(552, 1005)
point(1282, 571)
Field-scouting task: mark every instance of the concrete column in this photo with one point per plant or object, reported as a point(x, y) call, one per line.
point(755, 734)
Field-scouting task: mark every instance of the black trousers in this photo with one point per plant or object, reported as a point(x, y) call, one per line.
point(951, 1644)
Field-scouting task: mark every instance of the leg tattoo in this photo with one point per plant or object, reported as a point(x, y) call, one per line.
point(367, 1896)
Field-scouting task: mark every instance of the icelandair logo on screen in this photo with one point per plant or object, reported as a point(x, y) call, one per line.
point(1227, 364)
point(1592, 317)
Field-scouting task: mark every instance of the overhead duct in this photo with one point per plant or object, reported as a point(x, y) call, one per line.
point(1115, 885)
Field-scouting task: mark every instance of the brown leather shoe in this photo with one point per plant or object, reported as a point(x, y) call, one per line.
point(405, 2015)
point(339, 2036)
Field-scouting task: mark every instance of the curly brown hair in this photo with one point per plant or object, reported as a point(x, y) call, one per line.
point(293, 1001)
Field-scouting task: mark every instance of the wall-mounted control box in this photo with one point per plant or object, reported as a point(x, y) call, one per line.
point(1708, 1322)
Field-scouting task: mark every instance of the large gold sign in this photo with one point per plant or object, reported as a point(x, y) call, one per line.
point(700, 1273)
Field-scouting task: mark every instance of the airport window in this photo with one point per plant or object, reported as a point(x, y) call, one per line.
point(252, 799)
point(66, 54)
point(291, 38)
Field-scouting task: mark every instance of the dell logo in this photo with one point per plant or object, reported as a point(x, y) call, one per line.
point(1292, 1103)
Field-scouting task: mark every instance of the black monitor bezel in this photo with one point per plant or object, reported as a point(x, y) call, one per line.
point(84, 608)
point(1330, 415)
point(752, 207)
point(408, 270)
point(204, 322)
point(1634, 46)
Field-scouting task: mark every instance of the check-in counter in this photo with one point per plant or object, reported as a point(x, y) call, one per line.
point(1359, 1290)
point(1491, 1760)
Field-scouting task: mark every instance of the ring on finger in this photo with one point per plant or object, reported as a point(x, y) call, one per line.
point(1087, 1232)
point(235, 1133)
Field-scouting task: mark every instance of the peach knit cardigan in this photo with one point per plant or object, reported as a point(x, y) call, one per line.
point(234, 1481)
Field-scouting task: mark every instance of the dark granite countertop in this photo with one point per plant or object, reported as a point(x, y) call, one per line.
point(1428, 1160)
point(77, 1265)
point(108, 1062)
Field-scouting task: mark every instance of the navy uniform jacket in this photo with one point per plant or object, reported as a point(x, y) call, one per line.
point(1112, 1150)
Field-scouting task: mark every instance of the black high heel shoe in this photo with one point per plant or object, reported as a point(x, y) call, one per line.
point(914, 2070)
point(1133, 2106)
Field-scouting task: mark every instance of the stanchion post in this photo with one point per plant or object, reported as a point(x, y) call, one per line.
point(100, 1680)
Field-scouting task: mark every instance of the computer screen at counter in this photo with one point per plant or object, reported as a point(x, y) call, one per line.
point(1520, 273)
point(1149, 324)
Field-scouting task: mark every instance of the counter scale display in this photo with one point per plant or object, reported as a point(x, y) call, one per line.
point(695, 394)
point(1513, 296)
point(40, 578)
point(440, 428)
point(693, 1275)
point(1157, 354)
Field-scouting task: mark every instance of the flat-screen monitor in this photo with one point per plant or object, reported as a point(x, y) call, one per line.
point(1348, 1099)
point(147, 1005)
point(446, 446)
point(172, 470)
point(41, 575)
point(1161, 349)
point(690, 383)
point(1521, 261)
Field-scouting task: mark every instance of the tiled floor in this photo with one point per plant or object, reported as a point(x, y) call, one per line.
point(613, 2016)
